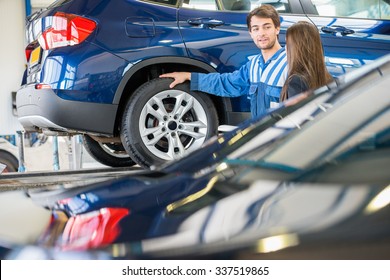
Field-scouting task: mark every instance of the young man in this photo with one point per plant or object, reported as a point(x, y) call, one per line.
point(261, 78)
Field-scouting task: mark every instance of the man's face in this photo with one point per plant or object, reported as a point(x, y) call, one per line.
point(263, 32)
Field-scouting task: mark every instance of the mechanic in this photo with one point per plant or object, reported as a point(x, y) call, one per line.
point(261, 78)
point(305, 57)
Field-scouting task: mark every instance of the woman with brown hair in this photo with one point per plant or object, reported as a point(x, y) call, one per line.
point(305, 57)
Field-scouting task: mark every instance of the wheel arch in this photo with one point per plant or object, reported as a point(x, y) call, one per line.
point(152, 68)
point(5, 155)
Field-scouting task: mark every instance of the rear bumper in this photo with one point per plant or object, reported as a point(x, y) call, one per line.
point(43, 109)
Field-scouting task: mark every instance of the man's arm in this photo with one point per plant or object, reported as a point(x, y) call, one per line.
point(226, 84)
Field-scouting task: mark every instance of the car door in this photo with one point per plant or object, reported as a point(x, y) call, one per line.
point(353, 32)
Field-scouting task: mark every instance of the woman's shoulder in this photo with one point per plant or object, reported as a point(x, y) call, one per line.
point(298, 78)
point(296, 84)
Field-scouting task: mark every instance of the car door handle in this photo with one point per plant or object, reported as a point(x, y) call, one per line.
point(205, 22)
point(337, 29)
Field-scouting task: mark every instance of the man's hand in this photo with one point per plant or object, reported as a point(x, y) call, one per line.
point(179, 77)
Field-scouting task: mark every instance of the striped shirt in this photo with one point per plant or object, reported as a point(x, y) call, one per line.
point(271, 72)
point(261, 81)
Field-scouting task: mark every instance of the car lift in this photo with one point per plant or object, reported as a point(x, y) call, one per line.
point(74, 177)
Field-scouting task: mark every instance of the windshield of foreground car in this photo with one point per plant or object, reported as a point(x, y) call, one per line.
point(277, 123)
point(255, 135)
point(356, 126)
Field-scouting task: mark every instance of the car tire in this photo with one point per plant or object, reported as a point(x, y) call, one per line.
point(10, 161)
point(110, 154)
point(157, 129)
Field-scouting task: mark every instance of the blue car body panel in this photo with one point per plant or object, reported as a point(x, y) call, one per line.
point(132, 36)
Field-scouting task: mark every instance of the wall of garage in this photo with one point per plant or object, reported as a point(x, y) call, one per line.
point(12, 56)
point(12, 60)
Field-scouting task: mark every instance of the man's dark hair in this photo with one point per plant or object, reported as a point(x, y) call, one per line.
point(264, 11)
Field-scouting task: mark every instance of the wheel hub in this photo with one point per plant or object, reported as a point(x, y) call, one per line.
point(172, 125)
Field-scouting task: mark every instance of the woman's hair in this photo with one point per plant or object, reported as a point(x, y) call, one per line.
point(264, 11)
point(305, 56)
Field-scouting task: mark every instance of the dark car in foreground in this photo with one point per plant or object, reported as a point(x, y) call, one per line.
point(92, 68)
point(313, 185)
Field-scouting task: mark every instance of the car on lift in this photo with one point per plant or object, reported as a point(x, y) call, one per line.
point(8, 156)
point(92, 68)
point(315, 183)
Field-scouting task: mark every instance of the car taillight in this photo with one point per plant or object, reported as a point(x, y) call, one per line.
point(93, 229)
point(28, 51)
point(66, 30)
point(42, 86)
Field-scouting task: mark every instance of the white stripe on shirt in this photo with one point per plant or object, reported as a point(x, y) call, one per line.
point(257, 76)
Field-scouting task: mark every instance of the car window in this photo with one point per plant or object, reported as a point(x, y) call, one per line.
point(210, 5)
point(360, 163)
point(370, 9)
point(282, 6)
point(363, 135)
point(358, 158)
point(167, 2)
point(58, 3)
point(345, 133)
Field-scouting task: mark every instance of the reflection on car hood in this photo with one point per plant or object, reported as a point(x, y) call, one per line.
point(269, 215)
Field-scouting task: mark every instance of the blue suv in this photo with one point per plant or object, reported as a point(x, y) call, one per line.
point(93, 67)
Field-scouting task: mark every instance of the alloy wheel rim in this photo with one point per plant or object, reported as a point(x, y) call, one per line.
point(172, 124)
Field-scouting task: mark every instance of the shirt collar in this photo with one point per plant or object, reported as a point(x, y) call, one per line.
point(275, 56)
